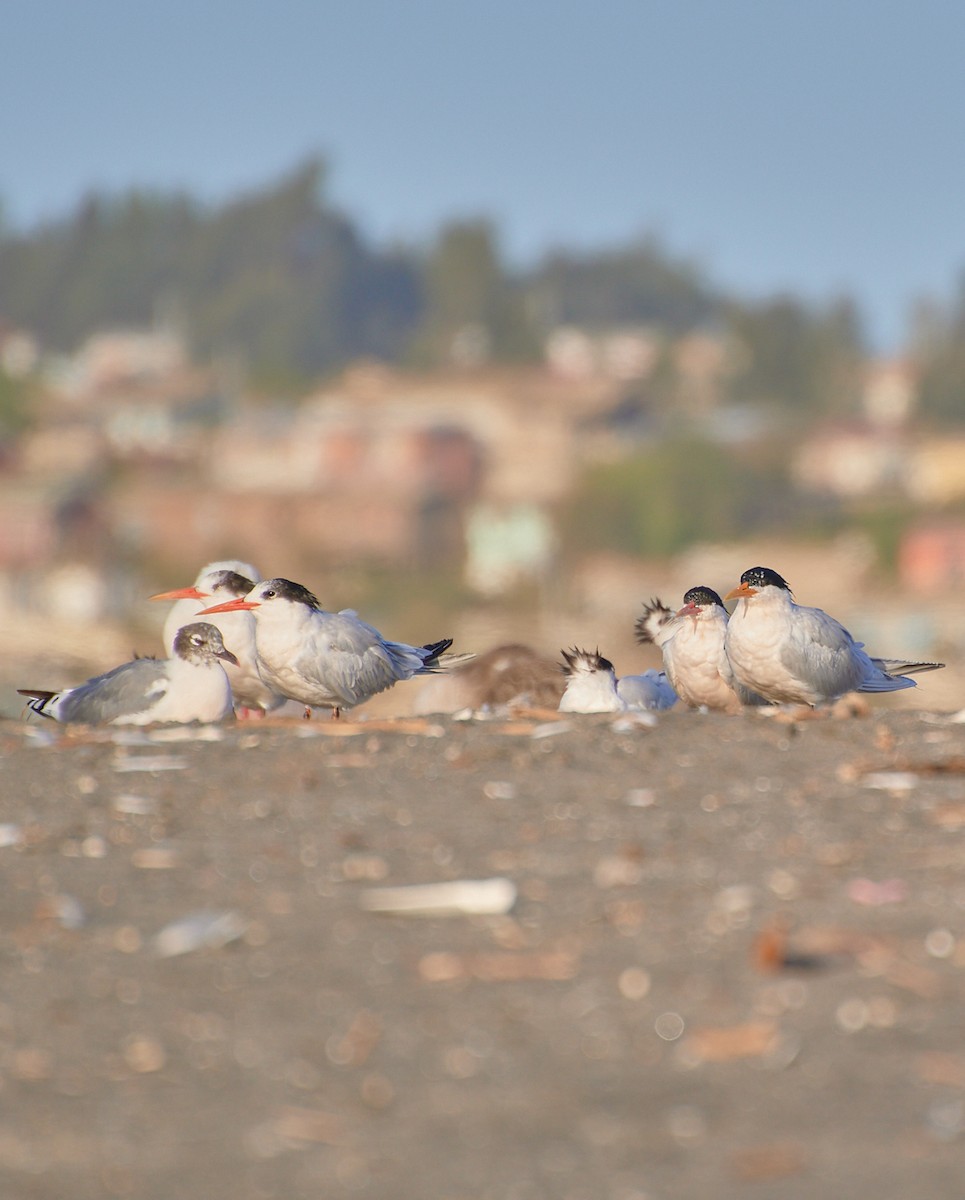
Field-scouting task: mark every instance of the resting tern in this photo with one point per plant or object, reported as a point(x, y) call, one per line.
point(797, 655)
point(215, 583)
point(191, 685)
point(692, 642)
point(324, 659)
point(592, 686)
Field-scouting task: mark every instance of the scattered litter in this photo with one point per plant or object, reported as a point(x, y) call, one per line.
point(641, 797)
point(948, 816)
point(617, 870)
point(156, 762)
point(202, 930)
point(66, 910)
point(499, 789)
point(551, 728)
point(135, 806)
point(718, 1044)
point(776, 1160)
point(354, 1047)
point(144, 1054)
point(460, 897)
point(872, 893)
point(10, 834)
point(634, 983)
point(160, 857)
point(297, 1124)
point(364, 866)
point(891, 781)
point(504, 967)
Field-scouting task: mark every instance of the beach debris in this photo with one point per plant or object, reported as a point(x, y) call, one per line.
point(874, 894)
point(499, 966)
point(10, 834)
point(149, 762)
point(134, 806)
point(727, 1043)
point(205, 929)
point(891, 781)
point(460, 897)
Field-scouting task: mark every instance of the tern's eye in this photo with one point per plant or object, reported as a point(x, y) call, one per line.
point(269, 594)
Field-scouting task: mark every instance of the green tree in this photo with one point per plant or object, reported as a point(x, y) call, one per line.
point(940, 355)
point(636, 284)
point(794, 357)
point(473, 313)
point(683, 491)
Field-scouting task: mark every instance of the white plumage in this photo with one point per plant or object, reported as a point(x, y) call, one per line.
point(592, 686)
point(692, 643)
point(191, 685)
point(217, 582)
point(324, 659)
point(792, 654)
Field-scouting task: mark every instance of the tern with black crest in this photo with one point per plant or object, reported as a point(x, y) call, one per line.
point(217, 582)
point(692, 643)
point(324, 659)
point(796, 655)
point(592, 686)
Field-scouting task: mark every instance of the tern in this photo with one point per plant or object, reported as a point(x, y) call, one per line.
point(795, 655)
point(324, 659)
point(592, 686)
point(217, 582)
point(692, 643)
point(191, 685)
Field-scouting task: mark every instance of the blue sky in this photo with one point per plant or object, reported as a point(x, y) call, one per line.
point(816, 146)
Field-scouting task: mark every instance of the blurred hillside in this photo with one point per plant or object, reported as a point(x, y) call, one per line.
point(431, 436)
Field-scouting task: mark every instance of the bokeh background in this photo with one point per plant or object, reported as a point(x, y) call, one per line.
point(491, 321)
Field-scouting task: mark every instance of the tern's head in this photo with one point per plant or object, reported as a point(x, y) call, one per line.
point(273, 594)
point(756, 580)
point(584, 662)
point(220, 582)
point(698, 601)
point(201, 642)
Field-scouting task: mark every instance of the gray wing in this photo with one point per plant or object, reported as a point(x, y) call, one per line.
point(821, 653)
point(130, 688)
point(357, 662)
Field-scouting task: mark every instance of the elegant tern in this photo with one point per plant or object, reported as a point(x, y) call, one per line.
point(592, 686)
point(216, 583)
point(692, 643)
point(792, 654)
point(324, 659)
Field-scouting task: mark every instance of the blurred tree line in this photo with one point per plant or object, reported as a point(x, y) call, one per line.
point(286, 281)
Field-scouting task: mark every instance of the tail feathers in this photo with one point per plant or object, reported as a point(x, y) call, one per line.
point(898, 666)
point(653, 618)
point(37, 699)
point(434, 661)
point(446, 662)
point(887, 683)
